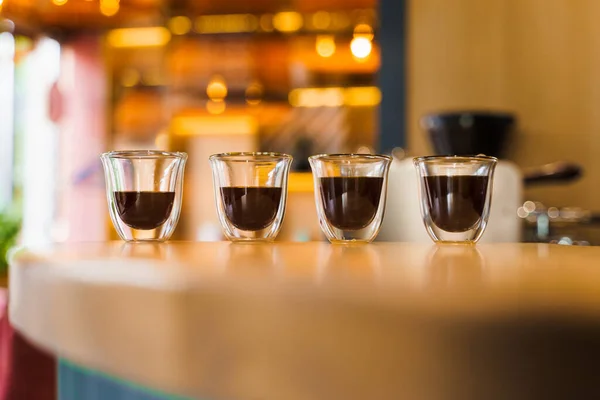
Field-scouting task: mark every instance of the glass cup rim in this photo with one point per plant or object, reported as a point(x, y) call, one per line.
point(243, 156)
point(337, 157)
point(144, 154)
point(456, 159)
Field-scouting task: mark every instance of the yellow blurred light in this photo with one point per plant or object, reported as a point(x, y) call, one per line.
point(180, 25)
point(335, 97)
point(230, 23)
point(197, 125)
point(109, 7)
point(364, 30)
point(311, 97)
point(215, 106)
point(287, 21)
point(266, 22)
point(361, 47)
point(217, 88)
point(321, 20)
point(56, 2)
point(254, 92)
point(325, 45)
point(362, 96)
point(139, 37)
point(130, 77)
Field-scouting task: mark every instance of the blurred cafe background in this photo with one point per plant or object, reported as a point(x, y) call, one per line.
point(80, 77)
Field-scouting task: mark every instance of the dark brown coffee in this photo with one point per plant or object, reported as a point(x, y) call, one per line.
point(456, 202)
point(251, 208)
point(350, 203)
point(144, 210)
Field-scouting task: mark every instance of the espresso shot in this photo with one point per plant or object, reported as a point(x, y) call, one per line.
point(350, 194)
point(250, 194)
point(456, 203)
point(144, 192)
point(351, 203)
point(251, 208)
point(456, 194)
point(144, 210)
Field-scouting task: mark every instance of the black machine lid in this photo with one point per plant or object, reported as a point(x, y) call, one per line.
point(469, 132)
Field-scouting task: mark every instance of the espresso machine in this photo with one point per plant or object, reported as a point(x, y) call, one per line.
point(465, 133)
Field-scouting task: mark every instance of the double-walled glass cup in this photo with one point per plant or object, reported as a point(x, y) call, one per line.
point(144, 190)
point(250, 193)
point(455, 196)
point(350, 192)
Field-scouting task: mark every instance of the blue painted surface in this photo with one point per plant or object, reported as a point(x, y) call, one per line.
point(78, 383)
point(392, 75)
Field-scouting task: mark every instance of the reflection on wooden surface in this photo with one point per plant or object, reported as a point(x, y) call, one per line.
point(493, 273)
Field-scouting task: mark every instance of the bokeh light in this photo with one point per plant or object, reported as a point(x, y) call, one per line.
point(325, 45)
point(180, 25)
point(288, 21)
point(361, 47)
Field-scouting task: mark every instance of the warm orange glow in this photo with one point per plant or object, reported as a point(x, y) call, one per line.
point(180, 25)
point(325, 45)
point(231, 23)
point(300, 182)
point(109, 7)
point(217, 88)
point(364, 30)
point(361, 47)
point(209, 125)
point(288, 21)
point(314, 97)
point(362, 96)
point(215, 107)
point(139, 37)
point(56, 2)
point(335, 97)
point(321, 20)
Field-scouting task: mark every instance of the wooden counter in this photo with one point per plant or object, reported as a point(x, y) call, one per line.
point(318, 321)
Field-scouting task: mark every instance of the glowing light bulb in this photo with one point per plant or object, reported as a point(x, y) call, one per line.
point(361, 47)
